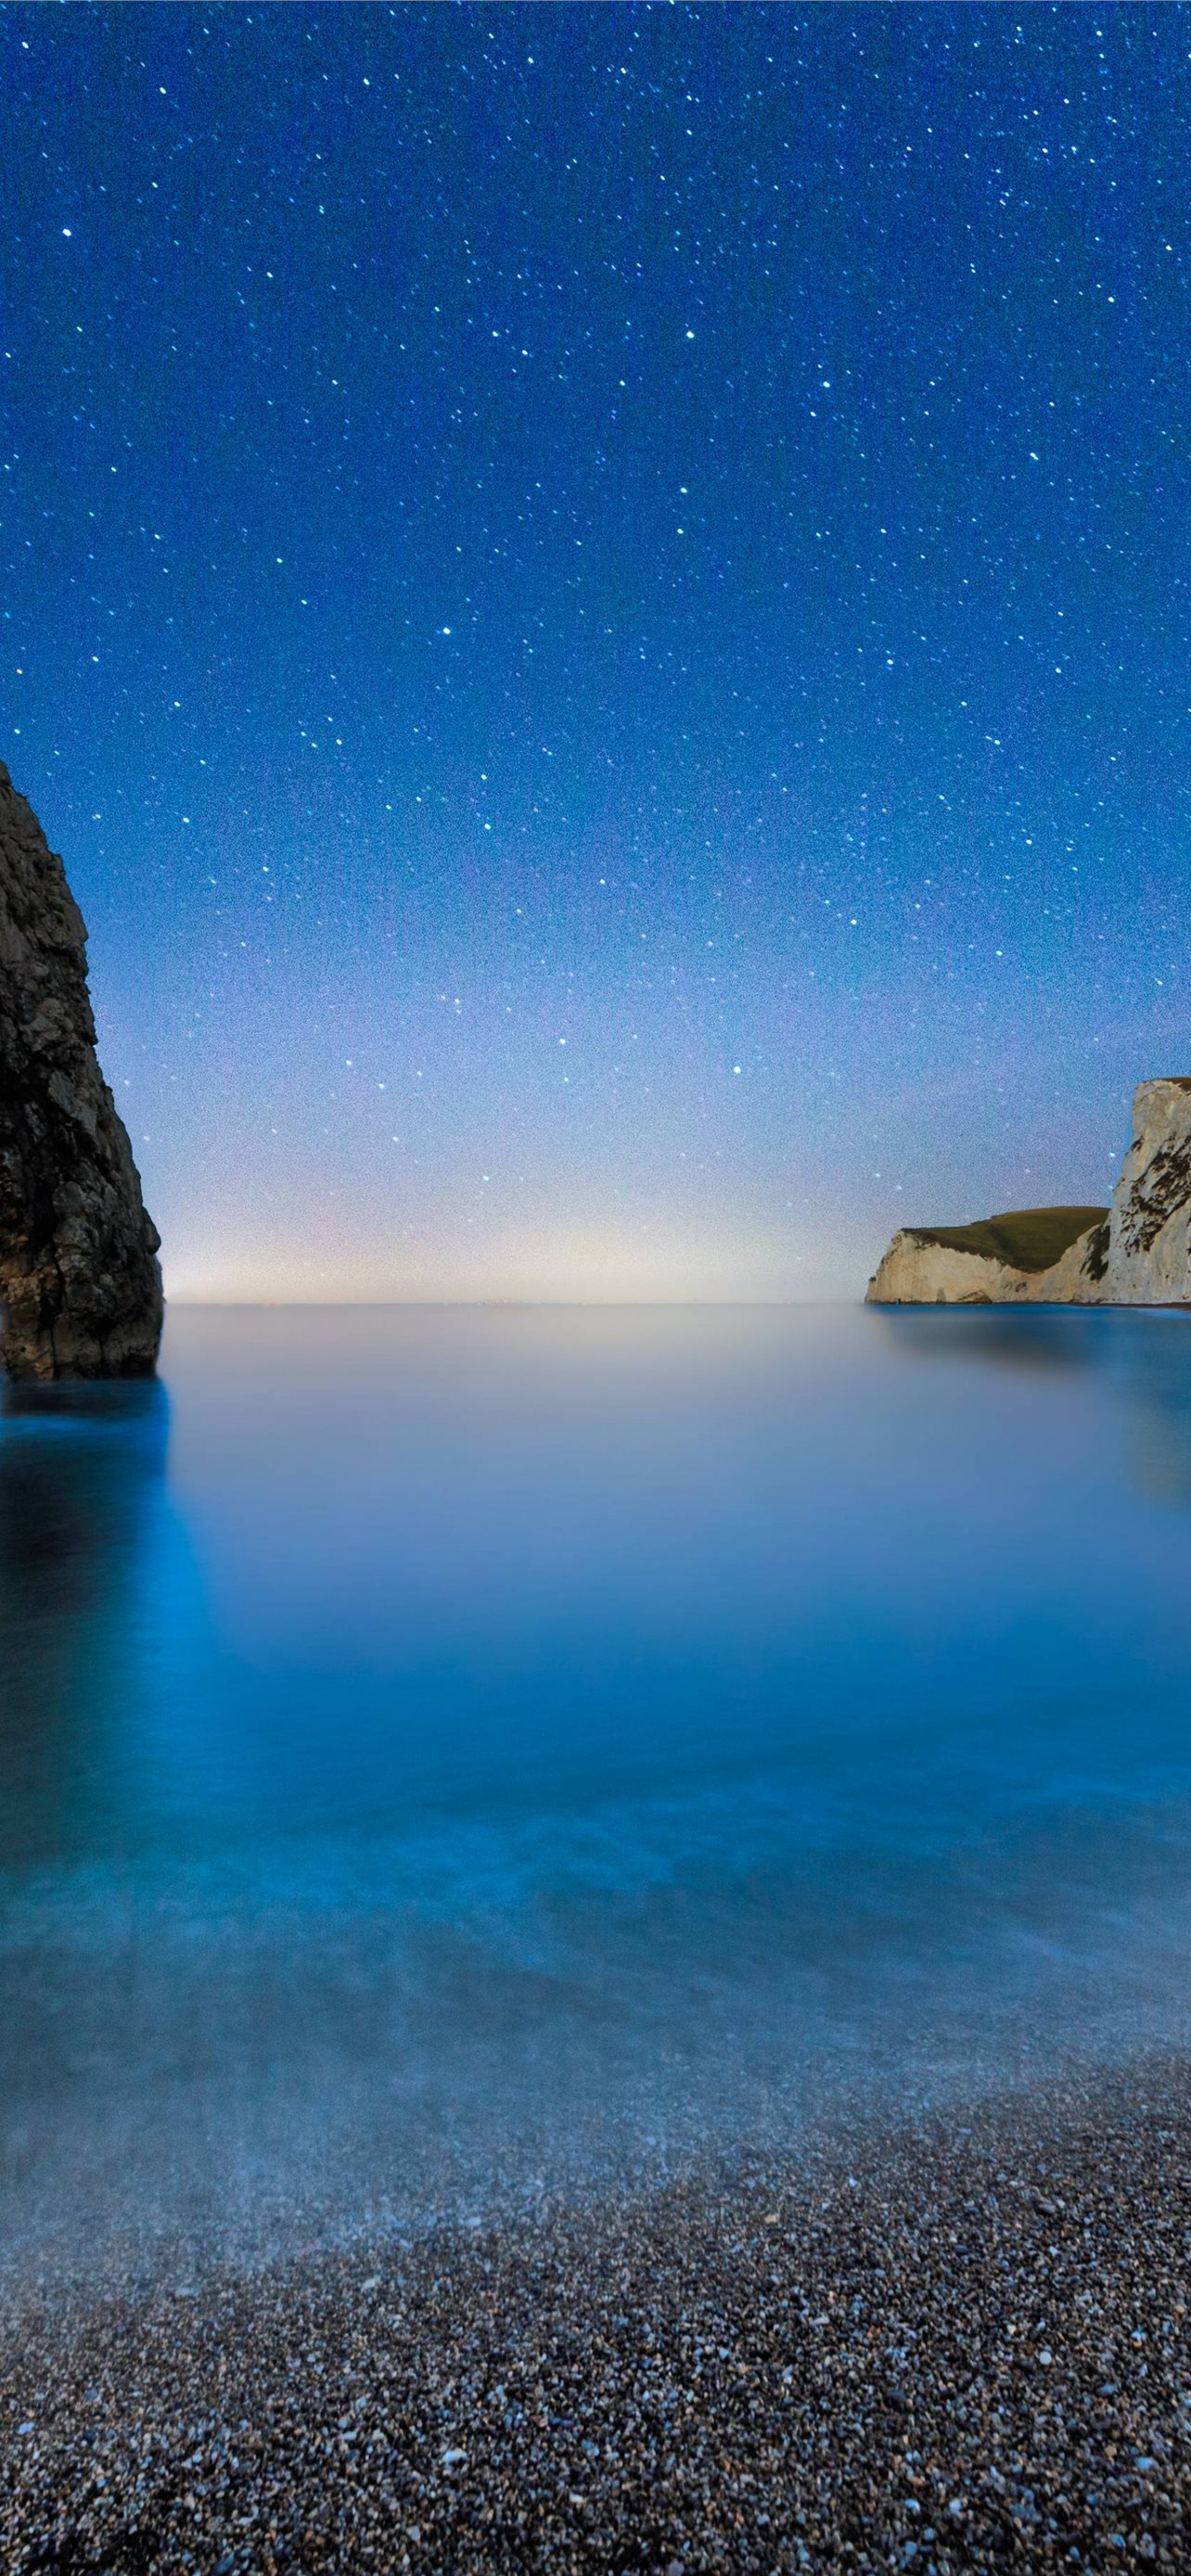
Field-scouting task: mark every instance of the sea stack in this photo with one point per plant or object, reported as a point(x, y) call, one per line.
point(80, 1286)
point(1135, 1253)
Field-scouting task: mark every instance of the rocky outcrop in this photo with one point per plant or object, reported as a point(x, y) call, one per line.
point(80, 1287)
point(1148, 1253)
point(1136, 1253)
point(1001, 1261)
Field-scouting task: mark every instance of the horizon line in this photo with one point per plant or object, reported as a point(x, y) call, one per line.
point(491, 1304)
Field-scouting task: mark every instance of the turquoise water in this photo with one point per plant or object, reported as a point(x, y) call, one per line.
point(448, 1752)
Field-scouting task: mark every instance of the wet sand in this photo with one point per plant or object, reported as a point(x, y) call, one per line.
point(963, 2346)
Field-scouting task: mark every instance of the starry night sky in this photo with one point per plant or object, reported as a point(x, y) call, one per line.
point(596, 600)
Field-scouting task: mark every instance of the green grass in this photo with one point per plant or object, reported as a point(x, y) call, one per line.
point(1029, 1238)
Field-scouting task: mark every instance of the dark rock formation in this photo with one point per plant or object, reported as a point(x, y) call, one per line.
point(79, 1281)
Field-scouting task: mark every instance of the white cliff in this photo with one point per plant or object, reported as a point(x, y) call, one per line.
point(1149, 1243)
point(1136, 1253)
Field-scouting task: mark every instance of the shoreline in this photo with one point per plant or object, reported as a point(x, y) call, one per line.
point(964, 2344)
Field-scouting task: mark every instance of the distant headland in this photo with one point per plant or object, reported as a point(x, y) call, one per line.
point(1135, 1253)
point(79, 1281)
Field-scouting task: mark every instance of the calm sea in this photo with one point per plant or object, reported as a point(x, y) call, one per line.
point(450, 1753)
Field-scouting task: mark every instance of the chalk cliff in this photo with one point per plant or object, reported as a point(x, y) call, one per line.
point(80, 1287)
point(1136, 1253)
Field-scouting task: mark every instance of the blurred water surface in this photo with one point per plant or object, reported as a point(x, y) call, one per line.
point(448, 1752)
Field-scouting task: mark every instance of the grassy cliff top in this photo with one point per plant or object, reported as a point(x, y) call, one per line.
point(1029, 1238)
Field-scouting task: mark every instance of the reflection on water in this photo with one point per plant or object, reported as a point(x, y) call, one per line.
point(80, 1468)
point(441, 1751)
point(1142, 1357)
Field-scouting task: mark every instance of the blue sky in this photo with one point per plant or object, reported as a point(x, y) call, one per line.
point(596, 601)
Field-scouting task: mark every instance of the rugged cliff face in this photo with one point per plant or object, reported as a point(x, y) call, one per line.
point(1136, 1253)
point(1148, 1260)
point(79, 1283)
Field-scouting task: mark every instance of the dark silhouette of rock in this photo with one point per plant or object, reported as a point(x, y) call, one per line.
point(79, 1281)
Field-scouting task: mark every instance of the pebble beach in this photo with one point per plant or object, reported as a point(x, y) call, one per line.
point(962, 2346)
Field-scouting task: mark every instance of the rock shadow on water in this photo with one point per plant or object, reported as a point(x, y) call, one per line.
point(1140, 1357)
point(82, 1477)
